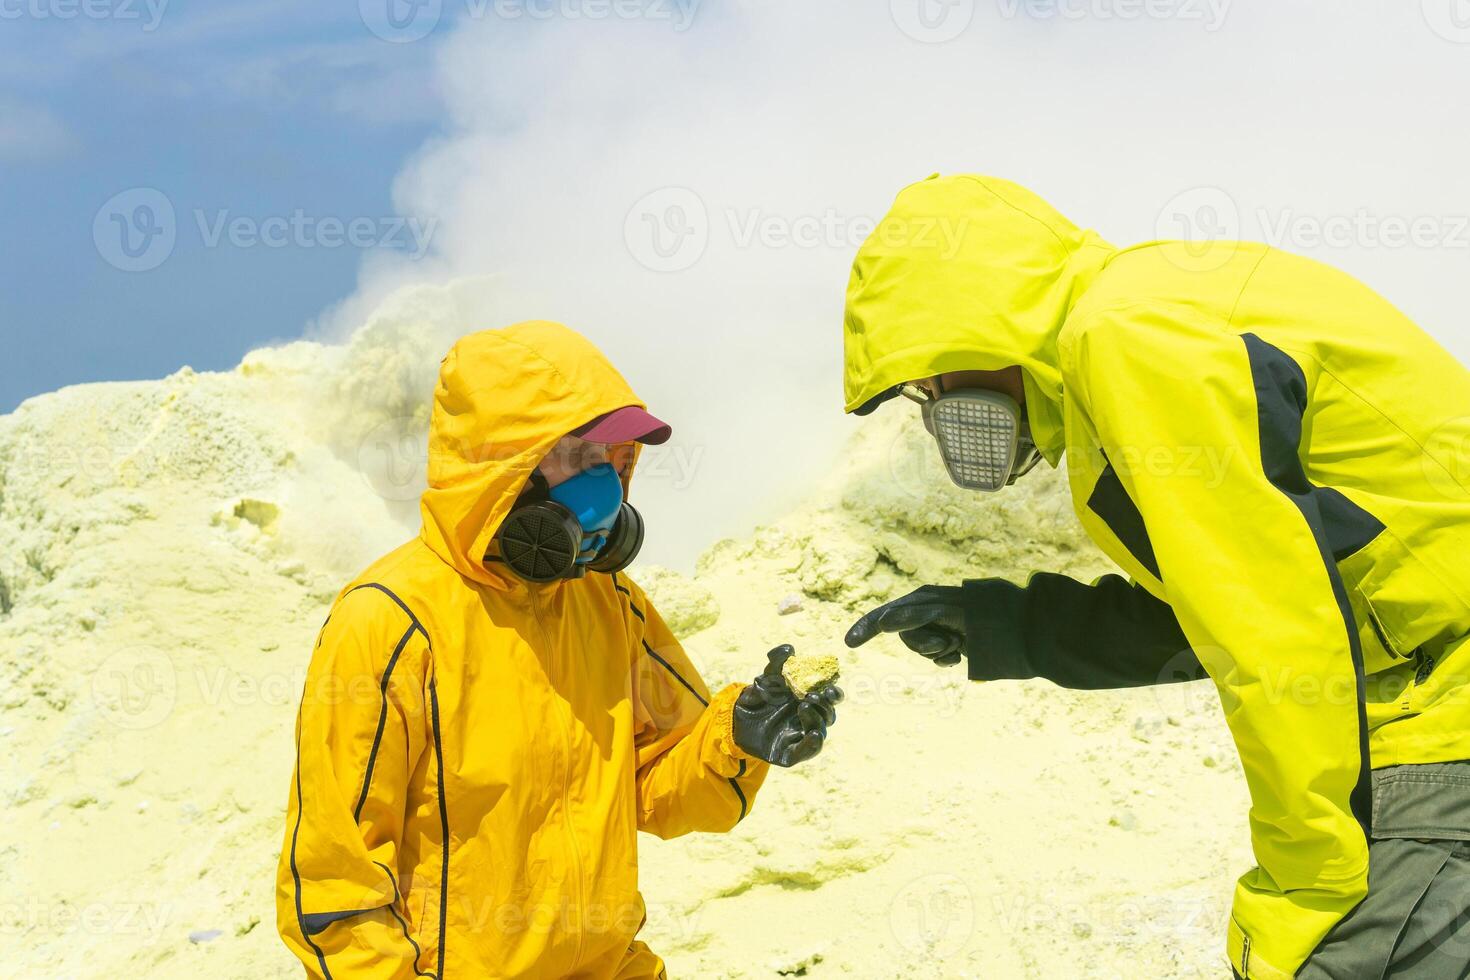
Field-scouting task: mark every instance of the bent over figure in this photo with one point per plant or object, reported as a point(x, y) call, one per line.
point(1275, 457)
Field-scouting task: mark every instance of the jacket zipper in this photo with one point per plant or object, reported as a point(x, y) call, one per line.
point(1382, 636)
point(566, 792)
point(1426, 666)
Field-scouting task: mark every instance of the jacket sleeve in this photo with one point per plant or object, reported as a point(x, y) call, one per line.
point(359, 735)
point(1109, 634)
point(691, 774)
point(1243, 554)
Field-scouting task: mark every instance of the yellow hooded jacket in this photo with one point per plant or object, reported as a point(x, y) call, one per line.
point(1274, 455)
point(475, 755)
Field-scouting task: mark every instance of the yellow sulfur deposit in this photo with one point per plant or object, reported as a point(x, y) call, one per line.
point(807, 674)
point(169, 549)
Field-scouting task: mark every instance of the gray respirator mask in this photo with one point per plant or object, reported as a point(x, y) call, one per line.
point(983, 436)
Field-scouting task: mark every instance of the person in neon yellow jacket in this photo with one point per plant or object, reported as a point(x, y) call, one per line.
point(1275, 456)
point(494, 710)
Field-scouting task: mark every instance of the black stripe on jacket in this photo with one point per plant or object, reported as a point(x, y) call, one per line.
point(1281, 402)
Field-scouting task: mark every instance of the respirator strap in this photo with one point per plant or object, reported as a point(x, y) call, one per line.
point(535, 490)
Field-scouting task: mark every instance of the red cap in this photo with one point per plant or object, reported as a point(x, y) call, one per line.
point(627, 424)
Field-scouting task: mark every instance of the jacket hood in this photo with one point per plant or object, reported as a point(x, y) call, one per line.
point(967, 273)
point(504, 399)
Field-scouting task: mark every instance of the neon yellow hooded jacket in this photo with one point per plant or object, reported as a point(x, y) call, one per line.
point(1273, 454)
point(475, 755)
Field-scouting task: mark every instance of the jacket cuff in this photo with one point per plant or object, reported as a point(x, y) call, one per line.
point(995, 639)
point(1245, 962)
point(722, 710)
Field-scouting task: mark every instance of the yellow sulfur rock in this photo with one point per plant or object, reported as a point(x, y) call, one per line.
point(806, 674)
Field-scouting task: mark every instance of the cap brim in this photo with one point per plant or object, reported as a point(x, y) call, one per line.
point(867, 407)
point(627, 424)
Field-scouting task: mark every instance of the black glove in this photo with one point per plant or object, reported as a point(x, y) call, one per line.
point(771, 723)
point(930, 620)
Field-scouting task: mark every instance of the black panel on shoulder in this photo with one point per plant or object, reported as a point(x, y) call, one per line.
point(1110, 501)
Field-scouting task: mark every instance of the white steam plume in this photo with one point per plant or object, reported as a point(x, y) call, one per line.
point(771, 136)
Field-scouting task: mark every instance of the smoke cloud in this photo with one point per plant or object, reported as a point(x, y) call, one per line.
point(686, 185)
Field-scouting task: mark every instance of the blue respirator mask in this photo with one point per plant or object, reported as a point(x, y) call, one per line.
point(564, 531)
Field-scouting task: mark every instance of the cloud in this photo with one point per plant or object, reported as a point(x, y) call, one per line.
point(355, 78)
point(271, 53)
point(30, 133)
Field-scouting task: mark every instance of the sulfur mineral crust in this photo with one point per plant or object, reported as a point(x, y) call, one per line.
point(807, 674)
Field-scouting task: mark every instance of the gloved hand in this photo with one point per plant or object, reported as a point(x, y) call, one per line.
point(930, 620)
point(771, 723)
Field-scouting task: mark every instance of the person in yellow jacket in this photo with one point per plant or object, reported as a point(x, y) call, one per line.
point(495, 709)
point(1273, 455)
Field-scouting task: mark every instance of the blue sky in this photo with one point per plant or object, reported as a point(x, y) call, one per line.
point(229, 110)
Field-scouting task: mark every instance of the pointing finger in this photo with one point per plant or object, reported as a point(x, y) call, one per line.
point(870, 624)
point(893, 617)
